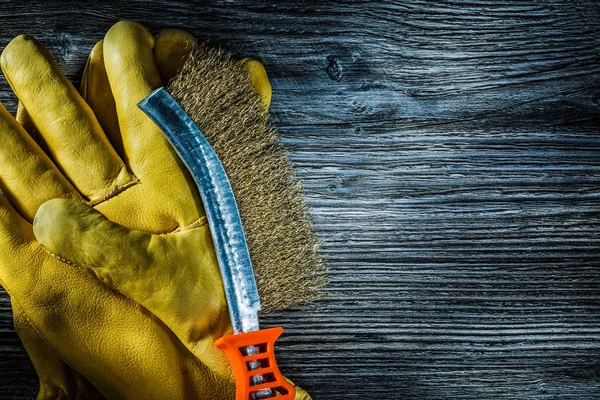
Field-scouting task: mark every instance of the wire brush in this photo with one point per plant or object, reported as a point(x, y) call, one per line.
point(215, 91)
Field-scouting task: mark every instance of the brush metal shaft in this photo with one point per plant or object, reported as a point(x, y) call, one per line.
point(219, 203)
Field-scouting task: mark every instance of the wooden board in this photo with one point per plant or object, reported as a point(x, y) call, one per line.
point(451, 154)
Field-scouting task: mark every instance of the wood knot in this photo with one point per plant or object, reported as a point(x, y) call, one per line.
point(334, 69)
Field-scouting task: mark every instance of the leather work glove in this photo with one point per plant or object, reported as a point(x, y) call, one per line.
point(57, 379)
point(118, 346)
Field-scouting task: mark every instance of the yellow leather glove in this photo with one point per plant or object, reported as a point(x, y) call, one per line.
point(57, 379)
point(119, 347)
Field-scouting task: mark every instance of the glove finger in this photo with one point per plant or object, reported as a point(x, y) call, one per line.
point(24, 119)
point(28, 177)
point(259, 78)
point(95, 90)
point(171, 48)
point(57, 379)
point(85, 237)
point(72, 132)
point(121, 257)
point(15, 232)
point(133, 74)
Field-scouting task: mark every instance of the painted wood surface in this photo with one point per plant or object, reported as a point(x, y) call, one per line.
point(451, 154)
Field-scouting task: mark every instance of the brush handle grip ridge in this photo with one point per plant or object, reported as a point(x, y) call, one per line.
point(245, 363)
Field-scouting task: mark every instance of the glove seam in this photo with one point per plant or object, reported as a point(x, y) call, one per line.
point(113, 192)
point(201, 221)
point(59, 258)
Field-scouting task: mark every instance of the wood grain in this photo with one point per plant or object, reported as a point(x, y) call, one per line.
point(451, 154)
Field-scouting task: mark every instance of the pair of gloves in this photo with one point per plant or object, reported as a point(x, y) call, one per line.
point(104, 246)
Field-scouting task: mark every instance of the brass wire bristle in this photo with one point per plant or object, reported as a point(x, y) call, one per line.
point(216, 93)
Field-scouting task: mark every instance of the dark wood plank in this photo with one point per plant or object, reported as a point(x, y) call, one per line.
point(451, 153)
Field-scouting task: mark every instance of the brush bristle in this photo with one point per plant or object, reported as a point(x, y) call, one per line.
point(215, 91)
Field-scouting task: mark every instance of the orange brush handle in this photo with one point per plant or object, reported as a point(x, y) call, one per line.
point(262, 363)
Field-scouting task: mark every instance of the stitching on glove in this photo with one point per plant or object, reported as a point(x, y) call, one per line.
point(196, 224)
point(114, 191)
point(59, 258)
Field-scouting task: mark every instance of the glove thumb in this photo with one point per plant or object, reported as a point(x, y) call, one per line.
point(164, 273)
point(77, 233)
